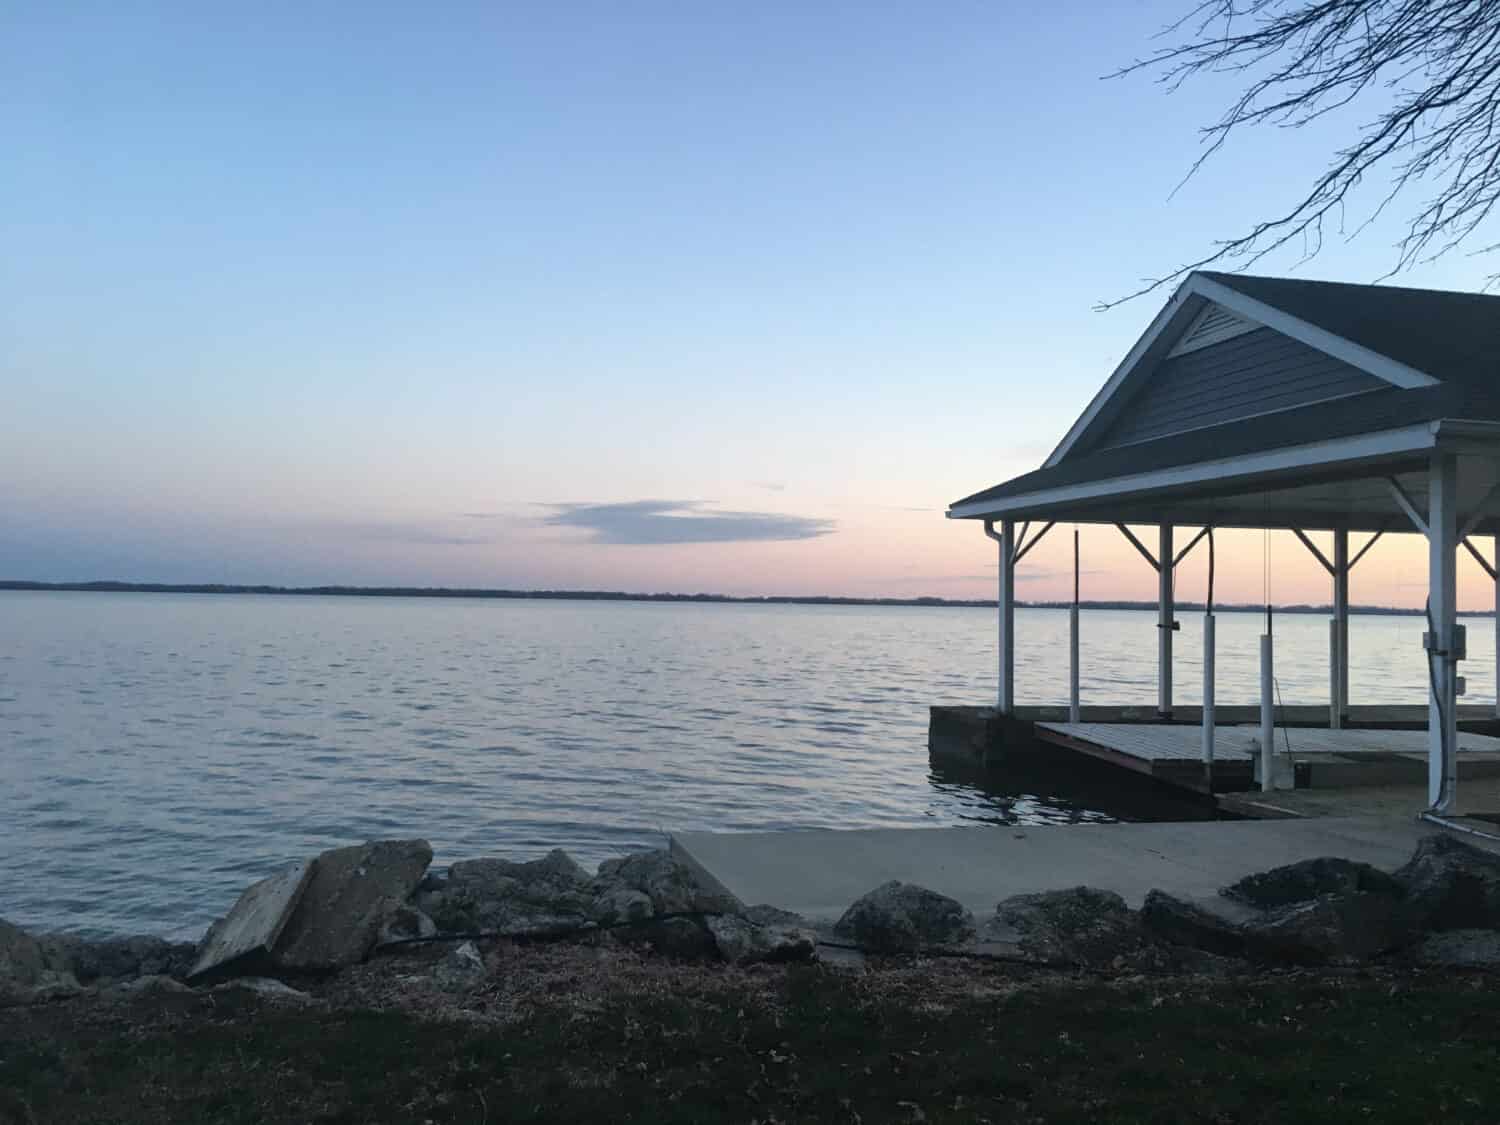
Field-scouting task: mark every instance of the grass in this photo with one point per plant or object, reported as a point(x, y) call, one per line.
point(935, 1042)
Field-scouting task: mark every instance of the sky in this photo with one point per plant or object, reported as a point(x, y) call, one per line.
point(658, 296)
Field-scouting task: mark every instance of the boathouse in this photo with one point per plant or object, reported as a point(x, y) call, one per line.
point(1262, 402)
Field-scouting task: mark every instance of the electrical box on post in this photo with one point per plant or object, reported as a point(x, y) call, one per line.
point(1460, 648)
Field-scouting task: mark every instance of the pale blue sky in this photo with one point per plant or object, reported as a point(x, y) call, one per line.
point(353, 293)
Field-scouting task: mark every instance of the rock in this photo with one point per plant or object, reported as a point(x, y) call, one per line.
point(687, 939)
point(623, 887)
point(254, 923)
point(620, 906)
point(496, 896)
point(115, 959)
point(266, 987)
point(461, 967)
point(406, 923)
point(741, 940)
point(352, 893)
point(902, 917)
point(30, 971)
point(1306, 880)
point(1331, 929)
point(1460, 949)
point(152, 985)
point(1081, 926)
point(1451, 885)
point(1184, 923)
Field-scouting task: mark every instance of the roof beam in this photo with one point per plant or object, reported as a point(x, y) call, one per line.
point(1480, 511)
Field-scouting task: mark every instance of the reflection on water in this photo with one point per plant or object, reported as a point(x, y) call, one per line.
point(161, 751)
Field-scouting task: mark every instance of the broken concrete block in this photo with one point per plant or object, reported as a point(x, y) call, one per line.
point(352, 894)
point(255, 922)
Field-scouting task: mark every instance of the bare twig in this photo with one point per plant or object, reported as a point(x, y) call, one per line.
point(1433, 66)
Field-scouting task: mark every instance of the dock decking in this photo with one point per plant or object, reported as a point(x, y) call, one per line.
point(1172, 752)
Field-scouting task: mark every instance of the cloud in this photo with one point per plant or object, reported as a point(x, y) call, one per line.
point(682, 521)
point(769, 485)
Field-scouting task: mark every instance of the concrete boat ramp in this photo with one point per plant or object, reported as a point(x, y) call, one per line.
point(818, 873)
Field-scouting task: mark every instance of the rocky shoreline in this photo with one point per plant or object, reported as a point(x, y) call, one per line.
point(380, 899)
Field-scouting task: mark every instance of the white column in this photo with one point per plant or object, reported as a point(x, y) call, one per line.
point(1267, 716)
point(1164, 622)
point(1341, 624)
point(1333, 674)
point(1208, 689)
point(1497, 625)
point(1442, 590)
point(1007, 599)
point(1075, 710)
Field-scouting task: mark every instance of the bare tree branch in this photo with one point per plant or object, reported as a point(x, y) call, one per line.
point(1433, 66)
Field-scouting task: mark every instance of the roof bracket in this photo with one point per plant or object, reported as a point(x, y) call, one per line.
point(1407, 506)
point(1481, 510)
point(1022, 550)
point(1182, 554)
point(1361, 553)
point(1139, 546)
point(1313, 547)
point(1480, 559)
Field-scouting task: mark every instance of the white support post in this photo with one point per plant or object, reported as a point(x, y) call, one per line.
point(1340, 704)
point(1164, 623)
point(1208, 690)
point(1267, 716)
point(1007, 694)
point(1497, 625)
point(1075, 710)
point(1333, 673)
point(1442, 590)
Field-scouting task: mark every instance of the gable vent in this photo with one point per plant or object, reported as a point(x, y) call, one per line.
point(1213, 325)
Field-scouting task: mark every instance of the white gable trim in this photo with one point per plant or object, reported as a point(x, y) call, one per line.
point(1380, 366)
point(1383, 444)
point(1188, 300)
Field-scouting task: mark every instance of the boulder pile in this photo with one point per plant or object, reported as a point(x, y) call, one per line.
point(335, 910)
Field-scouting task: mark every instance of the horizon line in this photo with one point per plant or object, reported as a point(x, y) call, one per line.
point(500, 593)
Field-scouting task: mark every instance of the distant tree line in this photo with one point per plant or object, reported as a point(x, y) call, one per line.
point(626, 596)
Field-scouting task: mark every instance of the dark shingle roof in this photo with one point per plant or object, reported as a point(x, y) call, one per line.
point(1454, 337)
point(1450, 336)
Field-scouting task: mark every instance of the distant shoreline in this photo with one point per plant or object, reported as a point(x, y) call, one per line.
point(624, 596)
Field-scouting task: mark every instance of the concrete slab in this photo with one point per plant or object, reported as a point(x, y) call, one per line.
point(255, 921)
point(818, 873)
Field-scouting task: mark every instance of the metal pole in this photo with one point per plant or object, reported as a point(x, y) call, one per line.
point(1341, 623)
point(1208, 689)
point(1267, 715)
point(1164, 623)
point(1075, 710)
point(1497, 625)
point(1442, 589)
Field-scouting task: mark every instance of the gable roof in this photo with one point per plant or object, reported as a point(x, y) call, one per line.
point(1438, 353)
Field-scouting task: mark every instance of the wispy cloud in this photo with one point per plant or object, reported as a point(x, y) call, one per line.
point(769, 485)
point(421, 534)
point(682, 521)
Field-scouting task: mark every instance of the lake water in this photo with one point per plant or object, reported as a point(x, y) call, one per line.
point(159, 752)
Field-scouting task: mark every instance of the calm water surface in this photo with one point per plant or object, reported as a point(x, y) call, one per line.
point(159, 752)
